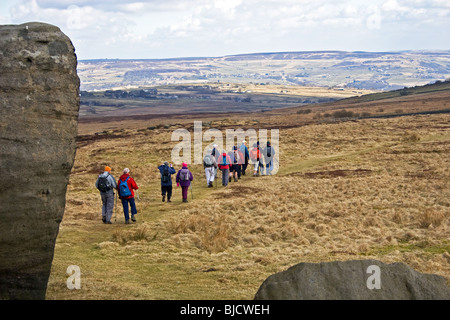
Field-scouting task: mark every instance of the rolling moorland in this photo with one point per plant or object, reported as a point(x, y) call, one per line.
point(362, 177)
point(203, 98)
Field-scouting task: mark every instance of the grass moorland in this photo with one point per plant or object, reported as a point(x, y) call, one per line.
point(368, 188)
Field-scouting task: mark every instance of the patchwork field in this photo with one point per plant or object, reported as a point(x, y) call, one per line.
point(338, 69)
point(357, 189)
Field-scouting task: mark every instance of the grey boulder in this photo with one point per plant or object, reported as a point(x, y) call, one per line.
point(353, 280)
point(39, 105)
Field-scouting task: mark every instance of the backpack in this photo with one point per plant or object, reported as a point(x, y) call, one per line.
point(184, 174)
point(103, 184)
point(165, 177)
point(208, 161)
point(237, 158)
point(254, 154)
point(124, 190)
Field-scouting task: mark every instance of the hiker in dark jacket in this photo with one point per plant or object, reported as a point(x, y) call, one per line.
point(127, 199)
point(244, 150)
point(166, 172)
point(215, 152)
point(268, 153)
point(107, 194)
point(184, 178)
point(237, 159)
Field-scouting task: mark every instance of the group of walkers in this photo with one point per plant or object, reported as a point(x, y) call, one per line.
point(233, 165)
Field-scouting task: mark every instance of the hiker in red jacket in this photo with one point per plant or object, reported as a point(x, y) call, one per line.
point(125, 187)
point(255, 156)
point(224, 163)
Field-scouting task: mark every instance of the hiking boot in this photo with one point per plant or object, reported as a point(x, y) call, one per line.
point(168, 199)
point(104, 219)
point(229, 179)
point(185, 200)
point(133, 218)
point(127, 221)
point(108, 222)
point(163, 198)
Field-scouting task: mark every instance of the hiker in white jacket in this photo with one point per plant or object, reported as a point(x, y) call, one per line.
point(210, 166)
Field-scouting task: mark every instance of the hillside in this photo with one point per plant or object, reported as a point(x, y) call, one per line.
point(427, 99)
point(357, 70)
point(431, 98)
point(359, 189)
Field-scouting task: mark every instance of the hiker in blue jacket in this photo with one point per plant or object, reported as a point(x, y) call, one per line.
point(166, 172)
point(125, 187)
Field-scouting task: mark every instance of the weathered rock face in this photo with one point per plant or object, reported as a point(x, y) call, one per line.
point(39, 104)
point(353, 280)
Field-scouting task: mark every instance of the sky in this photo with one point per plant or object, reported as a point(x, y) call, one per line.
point(157, 29)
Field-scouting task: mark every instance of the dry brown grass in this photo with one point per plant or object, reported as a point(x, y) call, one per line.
point(350, 190)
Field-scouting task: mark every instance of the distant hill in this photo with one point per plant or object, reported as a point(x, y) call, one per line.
point(417, 91)
point(428, 99)
point(336, 69)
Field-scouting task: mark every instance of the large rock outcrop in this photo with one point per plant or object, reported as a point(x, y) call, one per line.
point(353, 280)
point(39, 104)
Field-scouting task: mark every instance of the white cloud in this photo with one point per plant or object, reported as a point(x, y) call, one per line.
point(168, 28)
point(392, 5)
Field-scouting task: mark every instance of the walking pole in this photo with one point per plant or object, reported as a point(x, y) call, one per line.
point(139, 200)
point(115, 208)
point(192, 194)
point(137, 197)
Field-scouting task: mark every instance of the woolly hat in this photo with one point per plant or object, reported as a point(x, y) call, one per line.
point(184, 165)
point(107, 168)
